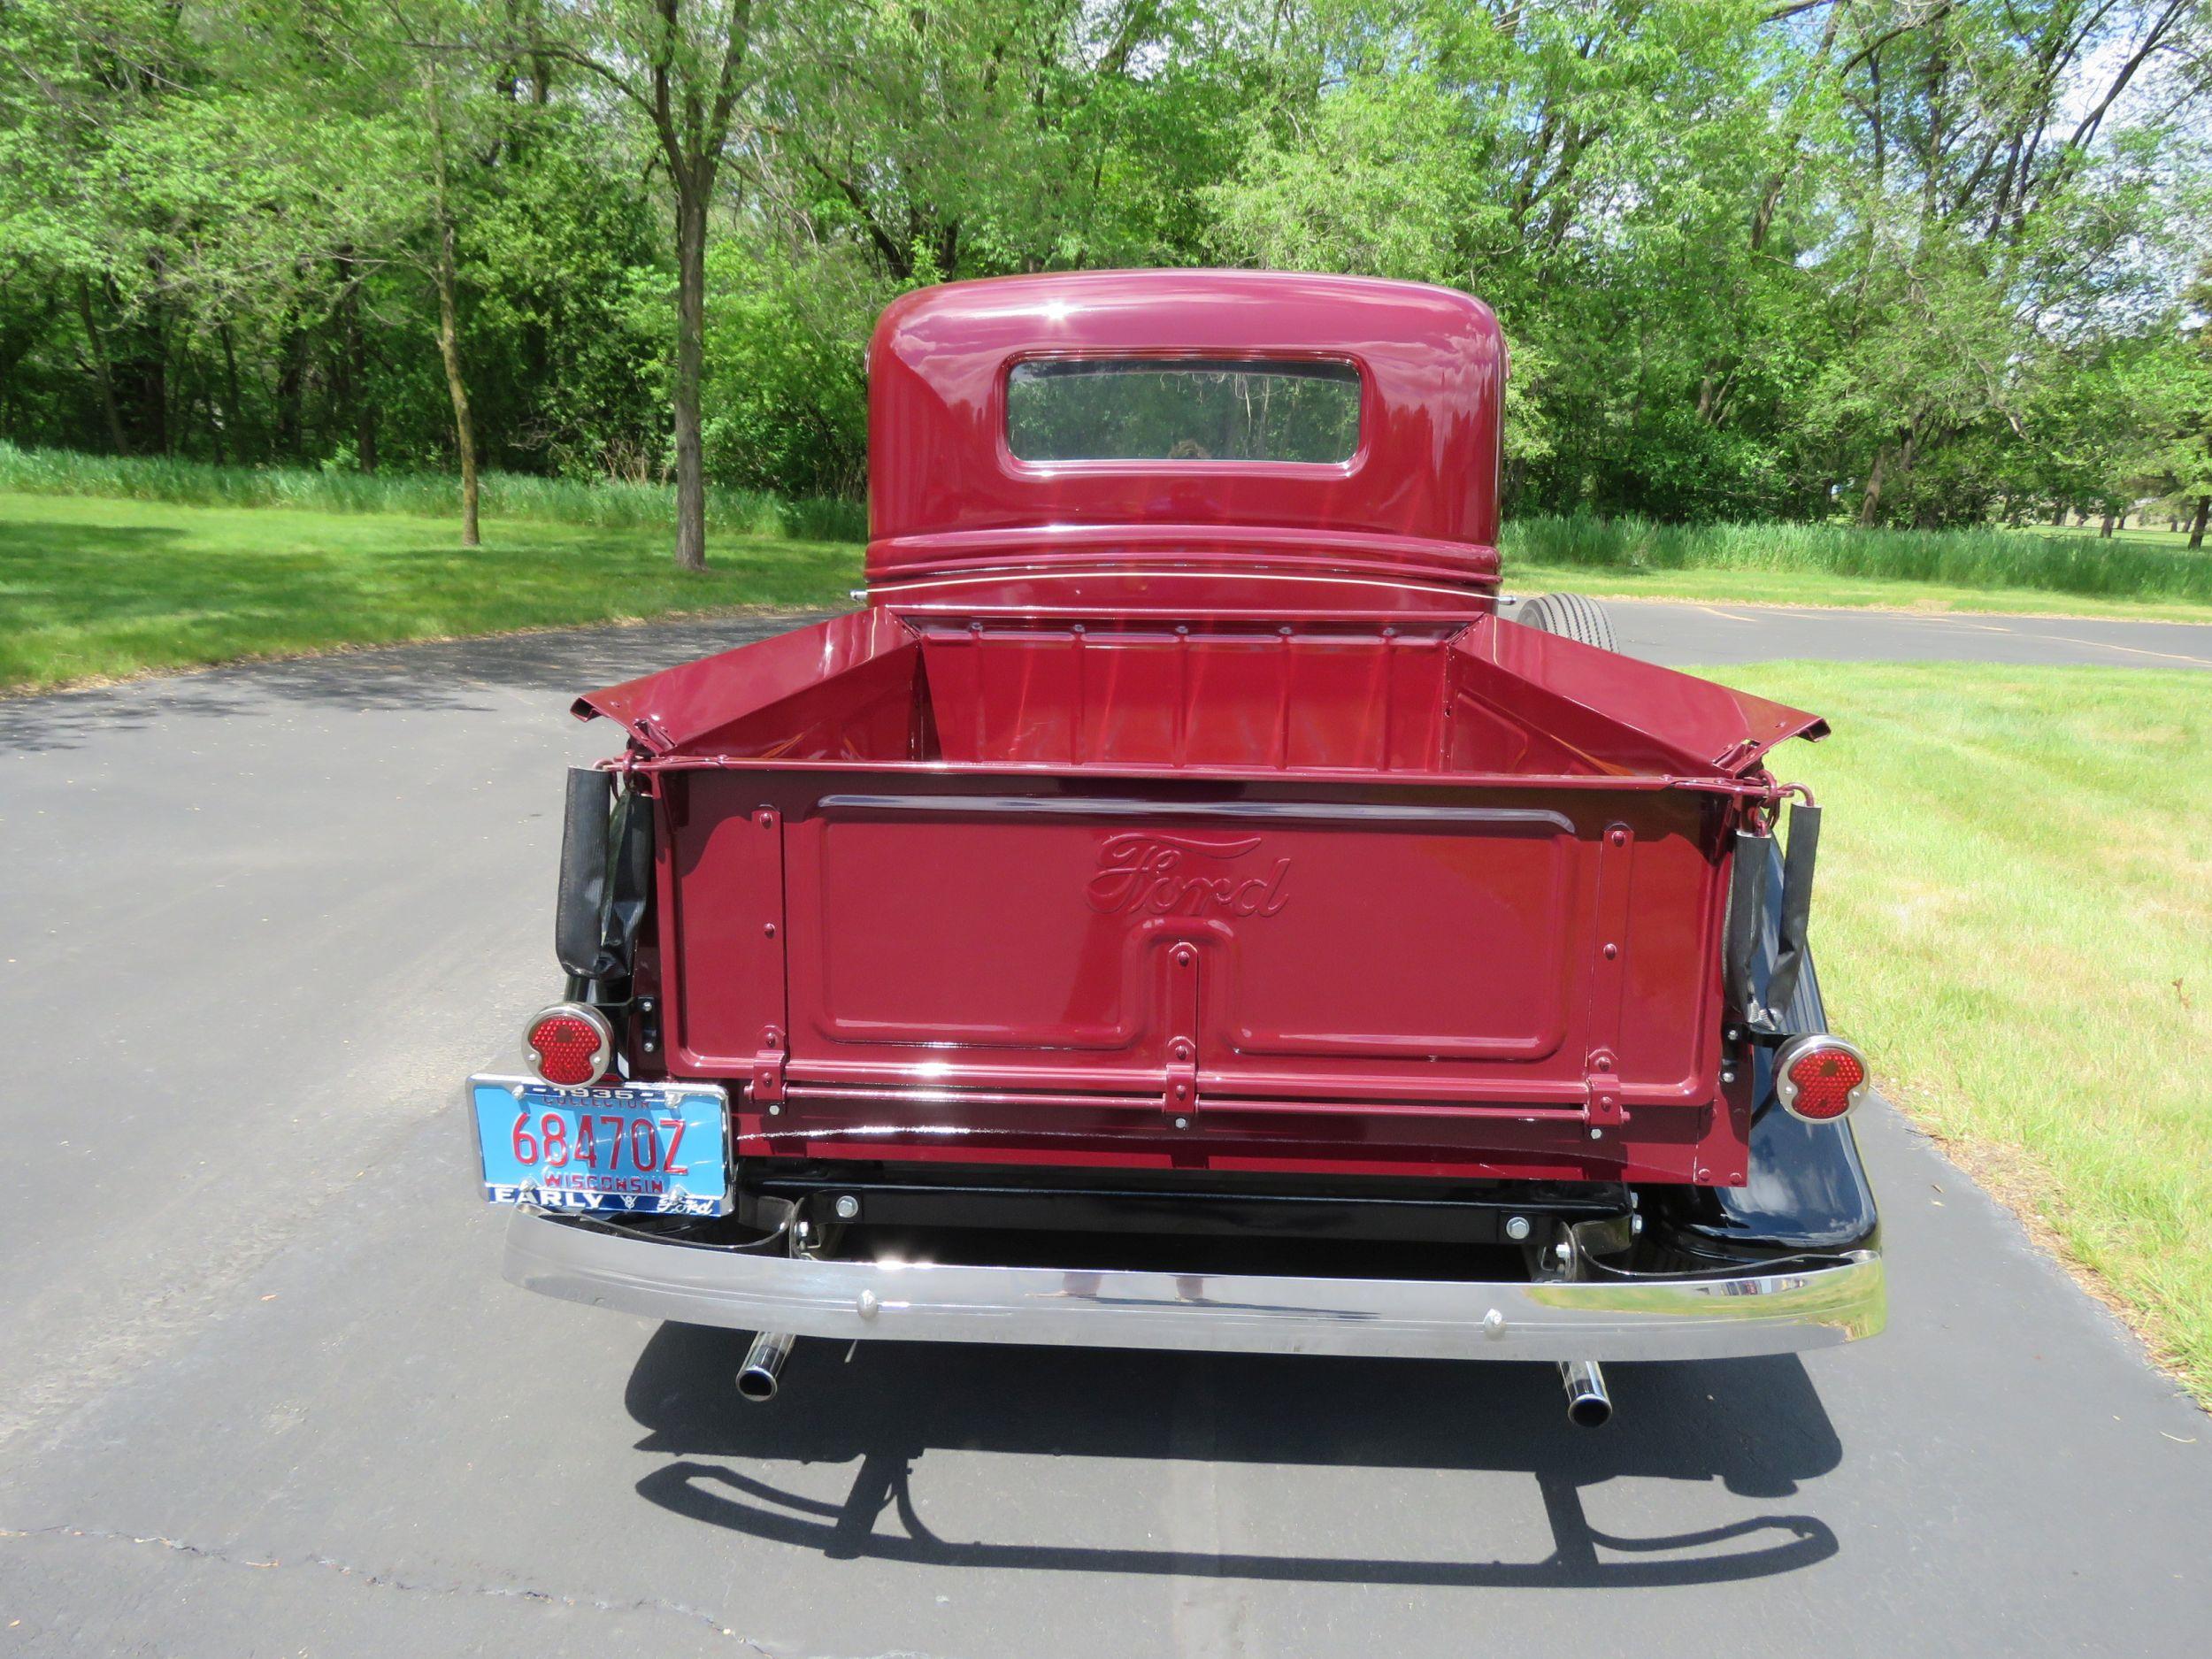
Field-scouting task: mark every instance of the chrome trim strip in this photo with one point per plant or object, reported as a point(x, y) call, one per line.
point(1661, 1319)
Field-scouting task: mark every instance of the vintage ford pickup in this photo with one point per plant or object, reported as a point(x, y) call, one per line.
point(1186, 907)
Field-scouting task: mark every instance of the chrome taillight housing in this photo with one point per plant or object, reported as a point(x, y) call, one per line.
point(571, 1044)
point(1820, 1078)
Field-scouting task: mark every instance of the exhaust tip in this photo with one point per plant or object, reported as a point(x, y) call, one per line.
point(758, 1379)
point(756, 1383)
point(1589, 1406)
point(1590, 1411)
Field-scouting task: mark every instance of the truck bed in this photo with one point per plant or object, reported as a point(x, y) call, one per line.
point(1436, 897)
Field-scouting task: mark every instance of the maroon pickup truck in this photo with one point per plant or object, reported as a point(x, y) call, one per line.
point(1187, 907)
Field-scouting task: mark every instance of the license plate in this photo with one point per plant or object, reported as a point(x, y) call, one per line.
point(637, 1150)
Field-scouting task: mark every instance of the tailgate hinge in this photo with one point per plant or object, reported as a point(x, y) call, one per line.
point(1608, 979)
point(1604, 1085)
point(764, 965)
point(765, 1085)
point(1179, 1100)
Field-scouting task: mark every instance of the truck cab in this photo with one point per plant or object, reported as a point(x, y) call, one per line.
point(1185, 906)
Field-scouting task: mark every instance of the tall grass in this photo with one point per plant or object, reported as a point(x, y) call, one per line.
point(1984, 558)
point(603, 505)
point(1979, 558)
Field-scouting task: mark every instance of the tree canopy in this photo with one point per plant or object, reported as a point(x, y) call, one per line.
point(1907, 261)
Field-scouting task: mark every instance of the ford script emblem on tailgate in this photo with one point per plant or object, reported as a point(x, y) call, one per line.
point(1180, 875)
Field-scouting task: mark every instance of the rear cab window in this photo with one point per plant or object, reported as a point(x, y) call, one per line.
point(1304, 411)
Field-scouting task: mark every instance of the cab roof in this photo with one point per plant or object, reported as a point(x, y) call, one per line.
point(1418, 499)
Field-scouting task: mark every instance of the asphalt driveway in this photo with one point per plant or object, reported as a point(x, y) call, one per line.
point(263, 1391)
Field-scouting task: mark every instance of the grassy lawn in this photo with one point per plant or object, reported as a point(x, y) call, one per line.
point(2015, 916)
point(1819, 588)
point(2153, 535)
point(91, 587)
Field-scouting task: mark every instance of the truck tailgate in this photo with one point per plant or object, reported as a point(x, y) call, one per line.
point(1258, 981)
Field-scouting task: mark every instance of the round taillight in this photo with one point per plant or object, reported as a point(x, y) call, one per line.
point(1819, 1078)
point(570, 1044)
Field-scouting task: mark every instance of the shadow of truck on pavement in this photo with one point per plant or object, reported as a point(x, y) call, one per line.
point(1754, 1425)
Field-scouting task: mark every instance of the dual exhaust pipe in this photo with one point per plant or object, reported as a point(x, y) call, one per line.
point(1589, 1406)
point(761, 1374)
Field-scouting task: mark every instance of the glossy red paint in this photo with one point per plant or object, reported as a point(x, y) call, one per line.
point(1472, 700)
point(1416, 503)
point(1155, 814)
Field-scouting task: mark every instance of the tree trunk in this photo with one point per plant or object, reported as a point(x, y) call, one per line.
point(692, 115)
point(1870, 504)
point(162, 397)
point(691, 293)
point(364, 434)
point(217, 438)
point(463, 431)
point(2196, 525)
point(443, 272)
point(291, 387)
point(234, 406)
point(350, 379)
point(100, 367)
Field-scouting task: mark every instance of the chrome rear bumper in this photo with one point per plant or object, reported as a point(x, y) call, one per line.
point(1651, 1319)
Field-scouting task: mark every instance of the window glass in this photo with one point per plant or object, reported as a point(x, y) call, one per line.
point(1155, 409)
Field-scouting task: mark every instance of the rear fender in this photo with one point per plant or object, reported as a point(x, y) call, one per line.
point(1808, 1189)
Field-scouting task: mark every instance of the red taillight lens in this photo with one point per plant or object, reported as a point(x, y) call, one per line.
point(570, 1045)
point(1819, 1079)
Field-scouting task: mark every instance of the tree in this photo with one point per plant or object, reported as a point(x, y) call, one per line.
point(2186, 381)
point(445, 277)
point(1907, 260)
point(684, 66)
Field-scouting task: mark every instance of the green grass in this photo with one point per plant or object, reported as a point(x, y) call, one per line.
point(1818, 588)
point(2154, 534)
point(1981, 560)
point(2013, 908)
point(2024, 568)
point(603, 504)
point(96, 585)
point(95, 588)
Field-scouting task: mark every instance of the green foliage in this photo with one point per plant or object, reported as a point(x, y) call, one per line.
point(1982, 556)
point(1875, 260)
point(602, 503)
point(787, 401)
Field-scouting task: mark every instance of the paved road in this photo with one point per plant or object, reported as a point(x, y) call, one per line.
point(263, 1392)
point(1716, 634)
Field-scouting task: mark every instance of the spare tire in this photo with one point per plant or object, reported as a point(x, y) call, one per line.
point(1568, 615)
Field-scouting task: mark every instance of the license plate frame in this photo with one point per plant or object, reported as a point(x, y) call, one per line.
point(510, 1116)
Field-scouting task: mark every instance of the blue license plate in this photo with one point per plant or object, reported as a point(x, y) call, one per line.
point(635, 1150)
